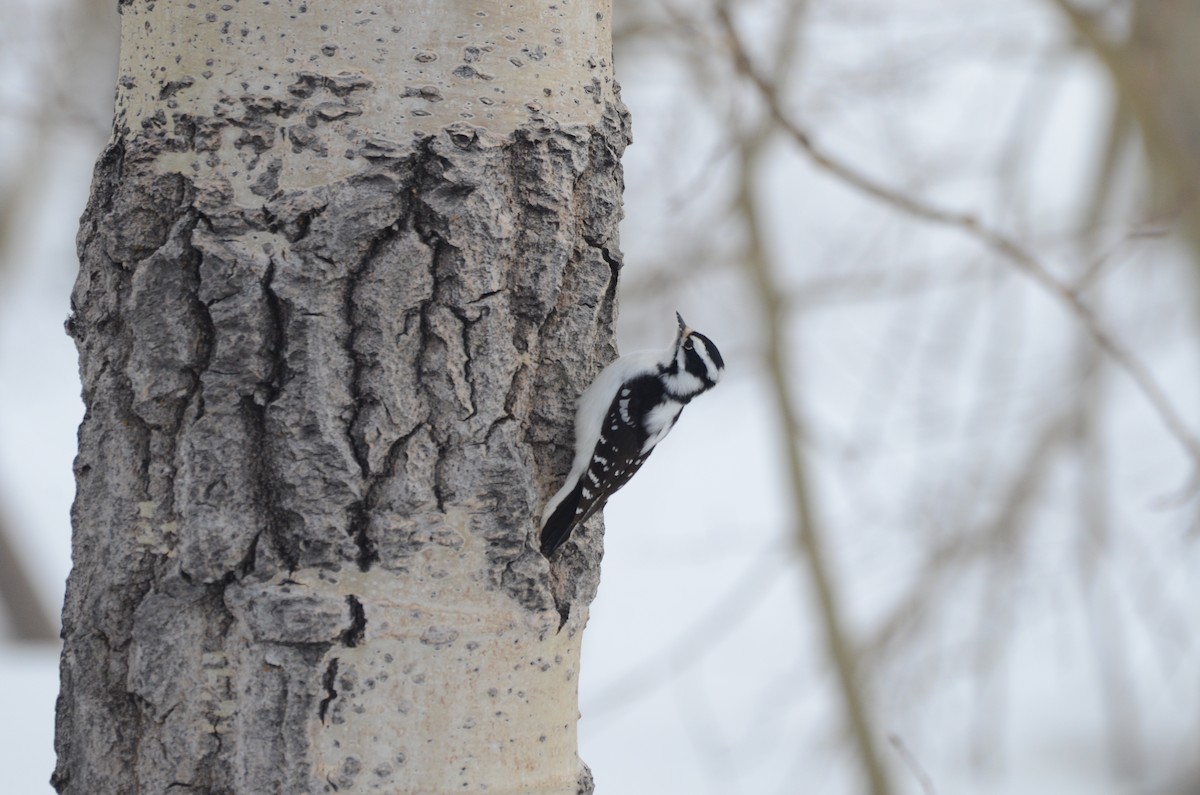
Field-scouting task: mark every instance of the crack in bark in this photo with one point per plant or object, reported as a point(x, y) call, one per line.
point(328, 682)
point(361, 398)
point(207, 341)
point(360, 520)
point(614, 264)
point(293, 228)
point(467, 364)
point(144, 435)
point(358, 443)
point(439, 490)
point(357, 631)
point(608, 305)
point(276, 517)
point(248, 563)
point(278, 375)
point(425, 220)
point(368, 552)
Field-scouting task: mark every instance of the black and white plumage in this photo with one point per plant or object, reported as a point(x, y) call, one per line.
point(630, 407)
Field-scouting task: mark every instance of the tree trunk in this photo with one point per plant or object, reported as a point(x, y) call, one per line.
point(343, 272)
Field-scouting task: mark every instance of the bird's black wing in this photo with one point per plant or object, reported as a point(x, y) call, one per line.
point(558, 527)
point(617, 455)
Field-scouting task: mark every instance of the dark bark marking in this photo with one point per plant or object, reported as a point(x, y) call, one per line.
point(357, 630)
point(358, 444)
point(473, 408)
point(371, 410)
point(279, 375)
point(340, 85)
point(173, 87)
point(246, 567)
point(208, 341)
point(276, 519)
point(360, 524)
point(328, 681)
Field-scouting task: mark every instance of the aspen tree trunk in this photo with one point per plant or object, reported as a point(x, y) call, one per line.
point(344, 269)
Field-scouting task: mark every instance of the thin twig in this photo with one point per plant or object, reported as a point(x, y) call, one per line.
point(968, 224)
point(913, 765)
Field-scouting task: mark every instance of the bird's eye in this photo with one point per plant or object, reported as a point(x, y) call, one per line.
point(687, 346)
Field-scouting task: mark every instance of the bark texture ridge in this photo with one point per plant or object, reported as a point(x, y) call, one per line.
point(322, 416)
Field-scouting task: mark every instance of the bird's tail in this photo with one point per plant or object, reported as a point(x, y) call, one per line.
point(561, 521)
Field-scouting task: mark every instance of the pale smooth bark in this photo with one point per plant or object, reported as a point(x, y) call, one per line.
point(343, 271)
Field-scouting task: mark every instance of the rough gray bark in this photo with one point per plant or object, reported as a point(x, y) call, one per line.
point(331, 326)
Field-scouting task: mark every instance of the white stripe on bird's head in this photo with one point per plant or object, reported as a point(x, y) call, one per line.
point(713, 370)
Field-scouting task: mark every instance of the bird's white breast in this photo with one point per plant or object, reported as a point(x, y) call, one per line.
point(659, 422)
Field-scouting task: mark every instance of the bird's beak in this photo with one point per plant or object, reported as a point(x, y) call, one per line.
point(683, 326)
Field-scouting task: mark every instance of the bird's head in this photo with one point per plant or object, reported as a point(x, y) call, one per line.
point(695, 365)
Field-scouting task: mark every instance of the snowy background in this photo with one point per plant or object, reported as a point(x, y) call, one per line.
point(1009, 526)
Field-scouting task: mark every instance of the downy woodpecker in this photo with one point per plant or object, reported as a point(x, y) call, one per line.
point(630, 407)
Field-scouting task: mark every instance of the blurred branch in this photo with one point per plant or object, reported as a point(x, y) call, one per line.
point(968, 224)
point(1144, 88)
point(952, 555)
point(660, 277)
point(895, 284)
point(30, 619)
point(1117, 691)
point(913, 765)
point(1118, 133)
point(73, 64)
point(809, 535)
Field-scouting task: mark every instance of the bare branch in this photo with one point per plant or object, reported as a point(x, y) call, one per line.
point(913, 765)
point(971, 226)
point(809, 535)
point(952, 556)
point(31, 621)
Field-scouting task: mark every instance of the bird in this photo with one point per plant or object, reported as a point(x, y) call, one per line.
point(629, 408)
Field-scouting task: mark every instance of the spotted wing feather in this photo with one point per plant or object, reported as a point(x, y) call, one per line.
point(618, 454)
